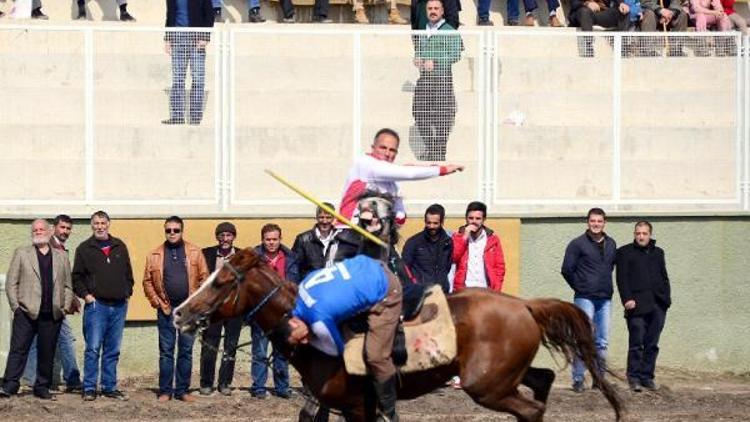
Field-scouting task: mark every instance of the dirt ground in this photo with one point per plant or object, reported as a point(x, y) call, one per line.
point(682, 397)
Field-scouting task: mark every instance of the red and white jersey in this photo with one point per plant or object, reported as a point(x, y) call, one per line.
point(371, 173)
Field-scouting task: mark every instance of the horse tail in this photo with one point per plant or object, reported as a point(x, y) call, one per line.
point(567, 330)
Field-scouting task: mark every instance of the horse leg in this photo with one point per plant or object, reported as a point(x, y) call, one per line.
point(540, 381)
point(523, 408)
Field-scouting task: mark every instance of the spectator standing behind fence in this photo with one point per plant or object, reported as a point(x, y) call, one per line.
point(187, 49)
point(434, 104)
point(613, 14)
point(174, 270)
point(284, 262)
point(39, 290)
point(311, 246)
point(587, 268)
point(65, 355)
point(122, 4)
point(670, 16)
point(428, 254)
point(215, 257)
point(394, 16)
point(103, 278)
point(643, 284)
point(531, 6)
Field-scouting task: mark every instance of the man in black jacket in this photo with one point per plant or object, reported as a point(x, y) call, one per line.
point(428, 253)
point(311, 246)
point(643, 284)
point(611, 14)
point(187, 49)
point(587, 268)
point(103, 278)
point(215, 257)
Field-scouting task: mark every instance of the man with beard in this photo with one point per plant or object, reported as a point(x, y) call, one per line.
point(65, 356)
point(215, 257)
point(103, 278)
point(40, 291)
point(428, 253)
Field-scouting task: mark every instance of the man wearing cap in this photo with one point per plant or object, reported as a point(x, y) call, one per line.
point(215, 256)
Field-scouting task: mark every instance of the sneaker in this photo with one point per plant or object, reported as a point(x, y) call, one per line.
point(74, 388)
point(650, 385)
point(225, 390)
point(116, 394)
point(126, 17)
point(259, 394)
point(456, 383)
point(635, 386)
point(173, 121)
point(578, 386)
point(89, 395)
point(529, 20)
point(4, 394)
point(254, 16)
point(206, 391)
point(288, 20)
point(286, 395)
point(554, 22)
point(485, 22)
point(44, 395)
point(322, 19)
point(38, 14)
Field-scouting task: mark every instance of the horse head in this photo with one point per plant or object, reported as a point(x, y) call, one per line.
point(242, 284)
point(376, 215)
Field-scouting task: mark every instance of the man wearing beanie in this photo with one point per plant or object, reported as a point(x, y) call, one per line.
point(215, 257)
point(174, 270)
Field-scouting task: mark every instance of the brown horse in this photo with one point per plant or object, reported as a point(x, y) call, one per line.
point(497, 335)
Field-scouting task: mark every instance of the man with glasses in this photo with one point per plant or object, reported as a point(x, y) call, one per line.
point(174, 270)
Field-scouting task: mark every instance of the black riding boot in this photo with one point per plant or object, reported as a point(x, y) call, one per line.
point(386, 395)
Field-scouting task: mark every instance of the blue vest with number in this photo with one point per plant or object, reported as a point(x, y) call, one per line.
point(332, 295)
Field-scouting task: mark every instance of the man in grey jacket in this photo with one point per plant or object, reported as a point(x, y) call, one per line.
point(39, 290)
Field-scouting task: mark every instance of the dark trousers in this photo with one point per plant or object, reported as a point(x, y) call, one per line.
point(608, 18)
point(320, 8)
point(434, 110)
point(287, 8)
point(514, 12)
point(211, 338)
point(24, 329)
point(173, 378)
point(185, 52)
point(643, 344)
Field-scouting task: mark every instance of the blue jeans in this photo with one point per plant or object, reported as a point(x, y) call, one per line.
point(251, 4)
point(259, 366)
point(216, 3)
point(103, 325)
point(598, 310)
point(483, 9)
point(168, 376)
point(185, 52)
point(65, 355)
point(514, 13)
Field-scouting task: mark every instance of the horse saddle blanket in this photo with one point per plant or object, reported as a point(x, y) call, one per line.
point(430, 339)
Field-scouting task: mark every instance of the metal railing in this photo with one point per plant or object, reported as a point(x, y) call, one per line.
point(547, 122)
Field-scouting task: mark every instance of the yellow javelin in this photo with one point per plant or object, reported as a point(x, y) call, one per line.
point(327, 209)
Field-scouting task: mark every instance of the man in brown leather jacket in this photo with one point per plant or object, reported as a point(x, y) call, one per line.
point(174, 270)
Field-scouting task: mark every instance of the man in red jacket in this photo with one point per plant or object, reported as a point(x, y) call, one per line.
point(477, 252)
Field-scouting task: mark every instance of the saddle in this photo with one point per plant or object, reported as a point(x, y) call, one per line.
point(429, 338)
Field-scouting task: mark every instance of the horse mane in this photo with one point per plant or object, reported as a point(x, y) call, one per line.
point(251, 262)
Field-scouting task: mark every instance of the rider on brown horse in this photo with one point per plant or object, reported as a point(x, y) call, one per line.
point(354, 286)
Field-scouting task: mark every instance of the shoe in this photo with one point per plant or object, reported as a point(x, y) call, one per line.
point(89, 395)
point(529, 20)
point(217, 15)
point(286, 395)
point(259, 394)
point(650, 385)
point(206, 391)
point(225, 390)
point(74, 388)
point(44, 395)
point(360, 16)
point(385, 392)
point(38, 14)
point(194, 122)
point(116, 394)
point(81, 13)
point(488, 22)
point(509, 23)
point(4, 394)
point(187, 398)
point(173, 121)
point(456, 383)
point(554, 22)
point(126, 17)
point(635, 386)
point(254, 16)
point(578, 386)
point(163, 398)
point(322, 19)
point(288, 20)
point(395, 18)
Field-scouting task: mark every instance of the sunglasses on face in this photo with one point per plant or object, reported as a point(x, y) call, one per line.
point(171, 231)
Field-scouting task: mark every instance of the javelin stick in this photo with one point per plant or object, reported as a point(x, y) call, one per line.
point(327, 209)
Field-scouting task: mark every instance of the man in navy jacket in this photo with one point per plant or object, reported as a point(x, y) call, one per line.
point(428, 253)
